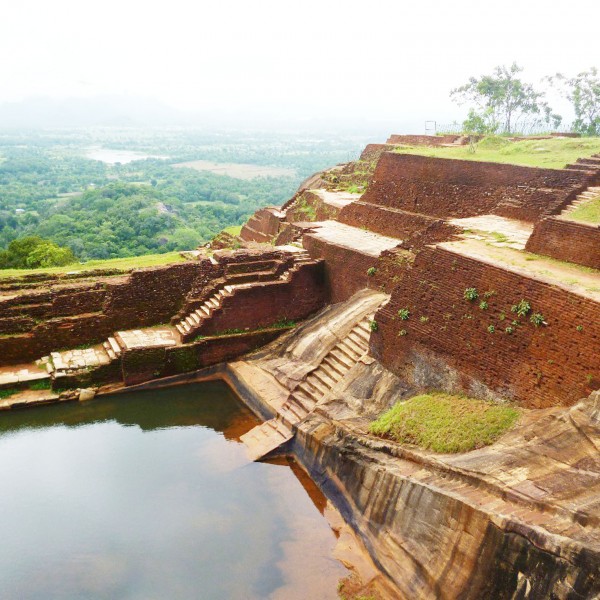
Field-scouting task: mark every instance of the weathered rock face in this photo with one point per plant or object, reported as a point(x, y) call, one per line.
point(518, 519)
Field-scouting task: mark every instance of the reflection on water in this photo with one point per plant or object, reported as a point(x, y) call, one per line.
point(150, 495)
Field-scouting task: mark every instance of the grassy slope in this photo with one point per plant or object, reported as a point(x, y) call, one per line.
point(445, 423)
point(587, 213)
point(148, 260)
point(553, 153)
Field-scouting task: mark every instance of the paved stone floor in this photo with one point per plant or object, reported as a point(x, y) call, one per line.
point(150, 337)
point(496, 230)
point(79, 359)
point(337, 199)
point(354, 238)
point(21, 373)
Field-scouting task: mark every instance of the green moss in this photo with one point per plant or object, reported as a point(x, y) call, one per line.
point(445, 423)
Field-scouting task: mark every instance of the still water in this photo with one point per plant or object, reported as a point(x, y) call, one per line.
point(150, 495)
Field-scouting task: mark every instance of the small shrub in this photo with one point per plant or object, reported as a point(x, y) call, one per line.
point(471, 294)
point(537, 319)
point(483, 305)
point(424, 319)
point(403, 332)
point(373, 326)
point(371, 271)
point(404, 314)
point(522, 308)
point(509, 330)
point(491, 329)
point(579, 327)
point(489, 294)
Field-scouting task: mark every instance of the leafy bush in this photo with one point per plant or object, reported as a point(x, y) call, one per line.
point(404, 314)
point(371, 271)
point(373, 326)
point(34, 252)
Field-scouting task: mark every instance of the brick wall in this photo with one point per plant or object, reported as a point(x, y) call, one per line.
point(264, 304)
point(262, 226)
point(450, 347)
point(440, 187)
point(423, 140)
point(388, 221)
point(345, 269)
point(566, 240)
point(88, 313)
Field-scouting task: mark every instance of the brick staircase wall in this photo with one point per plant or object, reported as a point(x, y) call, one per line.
point(446, 343)
point(261, 304)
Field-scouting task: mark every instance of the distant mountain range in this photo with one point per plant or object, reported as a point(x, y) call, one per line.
point(130, 111)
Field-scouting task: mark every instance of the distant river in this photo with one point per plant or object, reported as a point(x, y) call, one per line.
point(111, 157)
point(149, 495)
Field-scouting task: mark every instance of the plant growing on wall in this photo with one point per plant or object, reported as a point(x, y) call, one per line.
point(404, 314)
point(373, 326)
point(371, 271)
point(537, 319)
point(522, 308)
point(471, 294)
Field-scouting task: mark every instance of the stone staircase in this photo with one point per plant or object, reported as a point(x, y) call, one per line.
point(584, 197)
point(272, 434)
point(592, 163)
point(188, 325)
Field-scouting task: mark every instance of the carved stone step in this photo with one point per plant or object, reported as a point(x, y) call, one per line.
point(349, 350)
point(325, 378)
point(358, 341)
point(342, 358)
point(332, 365)
point(266, 438)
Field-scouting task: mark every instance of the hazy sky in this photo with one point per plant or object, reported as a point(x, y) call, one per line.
point(357, 60)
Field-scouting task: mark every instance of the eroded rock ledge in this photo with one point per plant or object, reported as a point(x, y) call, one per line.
point(518, 519)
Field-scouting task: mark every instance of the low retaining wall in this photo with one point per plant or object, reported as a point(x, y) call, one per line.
point(567, 240)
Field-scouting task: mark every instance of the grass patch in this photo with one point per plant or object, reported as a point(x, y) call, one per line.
point(42, 384)
point(133, 262)
point(587, 213)
point(552, 153)
point(444, 422)
point(233, 230)
point(7, 392)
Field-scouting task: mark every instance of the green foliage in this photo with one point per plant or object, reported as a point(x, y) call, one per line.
point(402, 332)
point(404, 314)
point(583, 91)
point(445, 423)
point(483, 305)
point(42, 384)
point(491, 328)
point(34, 252)
point(522, 308)
point(588, 212)
point(509, 330)
point(7, 392)
point(537, 319)
point(371, 271)
point(502, 102)
point(373, 326)
point(471, 294)
point(579, 327)
point(424, 319)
